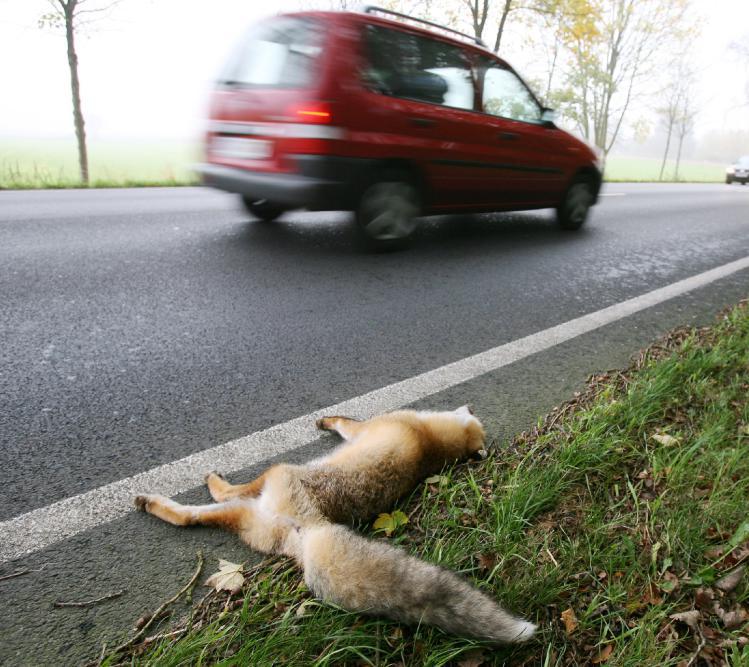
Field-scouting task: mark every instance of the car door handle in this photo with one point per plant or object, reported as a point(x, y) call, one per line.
point(422, 122)
point(508, 136)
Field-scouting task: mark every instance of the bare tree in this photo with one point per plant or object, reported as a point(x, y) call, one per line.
point(669, 112)
point(70, 16)
point(608, 63)
point(684, 122)
point(678, 111)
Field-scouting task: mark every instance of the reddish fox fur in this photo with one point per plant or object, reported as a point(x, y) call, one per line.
point(297, 510)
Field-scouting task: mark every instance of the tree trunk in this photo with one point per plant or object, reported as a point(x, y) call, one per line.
point(503, 19)
point(678, 157)
point(75, 89)
point(668, 145)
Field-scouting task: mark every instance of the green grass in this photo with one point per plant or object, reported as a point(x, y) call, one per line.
point(648, 169)
point(53, 163)
point(586, 512)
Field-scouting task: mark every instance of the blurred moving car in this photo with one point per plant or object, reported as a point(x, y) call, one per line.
point(370, 113)
point(739, 171)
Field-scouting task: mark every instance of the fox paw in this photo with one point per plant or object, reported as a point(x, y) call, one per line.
point(213, 473)
point(141, 503)
point(322, 424)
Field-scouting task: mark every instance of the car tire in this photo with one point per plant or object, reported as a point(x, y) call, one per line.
point(262, 209)
point(386, 216)
point(575, 207)
point(728, 181)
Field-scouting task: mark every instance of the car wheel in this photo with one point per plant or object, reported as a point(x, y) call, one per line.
point(728, 181)
point(388, 211)
point(574, 209)
point(263, 209)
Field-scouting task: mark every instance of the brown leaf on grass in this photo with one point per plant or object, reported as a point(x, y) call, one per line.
point(474, 658)
point(731, 580)
point(714, 553)
point(487, 561)
point(228, 578)
point(691, 618)
point(670, 582)
point(603, 655)
point(652, 595)
point(704, 598)
point(570, 621)
point(733, 619)
point(396, 636)
point(715, 534)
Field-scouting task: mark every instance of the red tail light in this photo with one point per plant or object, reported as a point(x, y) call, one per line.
point(316, 112)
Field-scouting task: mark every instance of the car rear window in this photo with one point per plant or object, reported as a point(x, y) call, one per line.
point(280, 53)
point(405, 65)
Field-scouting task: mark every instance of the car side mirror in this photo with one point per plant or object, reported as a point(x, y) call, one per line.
point(548, 117)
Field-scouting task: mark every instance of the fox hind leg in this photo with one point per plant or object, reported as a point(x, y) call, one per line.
point(262, 532)
point(230, 516)
point(346, 427)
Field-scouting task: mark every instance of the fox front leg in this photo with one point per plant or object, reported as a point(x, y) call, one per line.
point(221, 490)
point(346, 427)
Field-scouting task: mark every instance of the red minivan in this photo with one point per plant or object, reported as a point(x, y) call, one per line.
point(355, 111)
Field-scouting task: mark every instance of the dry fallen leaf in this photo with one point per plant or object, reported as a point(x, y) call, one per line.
point(228, 578)
point(670, 582)
point(665, 439)
point(731, 580)
point(691, 618)
point(570, 621)
point(652, 596)
point(487, 561)
point(734, 619)
point(703, 598)
point(603, 655)
point(436, 479)
point(474, 658)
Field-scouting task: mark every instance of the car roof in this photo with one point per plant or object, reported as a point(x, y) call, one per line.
point(362, 17)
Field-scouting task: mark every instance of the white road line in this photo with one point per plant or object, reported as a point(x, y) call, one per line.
point(43, 527)
point(613, 194)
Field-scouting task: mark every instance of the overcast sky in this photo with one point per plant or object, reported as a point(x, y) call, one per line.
point(146, 70)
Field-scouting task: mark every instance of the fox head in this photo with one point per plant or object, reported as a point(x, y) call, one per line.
point(458, 433)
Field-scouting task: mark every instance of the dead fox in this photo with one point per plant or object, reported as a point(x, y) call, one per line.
point(297, 510)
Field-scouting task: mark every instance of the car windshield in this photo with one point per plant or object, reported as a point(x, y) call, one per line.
point(743, 161)
point(280, 53)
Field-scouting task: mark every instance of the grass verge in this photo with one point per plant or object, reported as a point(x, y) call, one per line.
point(619, 523)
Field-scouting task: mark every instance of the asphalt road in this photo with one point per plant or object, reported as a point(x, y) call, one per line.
point(140, 326)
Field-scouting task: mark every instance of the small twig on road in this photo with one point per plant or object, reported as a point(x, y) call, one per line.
point(161, 609)
point(20, 573)
point(89, 603)
point(164, 635)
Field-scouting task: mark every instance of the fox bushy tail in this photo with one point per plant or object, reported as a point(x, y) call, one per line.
point(376, 578)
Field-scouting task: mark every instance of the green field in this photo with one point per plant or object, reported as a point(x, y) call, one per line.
point(53, 163)
point(647, 169)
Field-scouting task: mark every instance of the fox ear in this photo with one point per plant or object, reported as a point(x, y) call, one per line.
point(464, 410)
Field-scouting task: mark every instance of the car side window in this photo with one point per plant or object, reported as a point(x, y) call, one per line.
point(405, 65)
point(504, 94)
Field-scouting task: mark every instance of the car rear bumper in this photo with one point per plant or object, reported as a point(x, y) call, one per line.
point(321, 183)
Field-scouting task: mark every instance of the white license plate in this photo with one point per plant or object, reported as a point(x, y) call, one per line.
point(240, 148)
